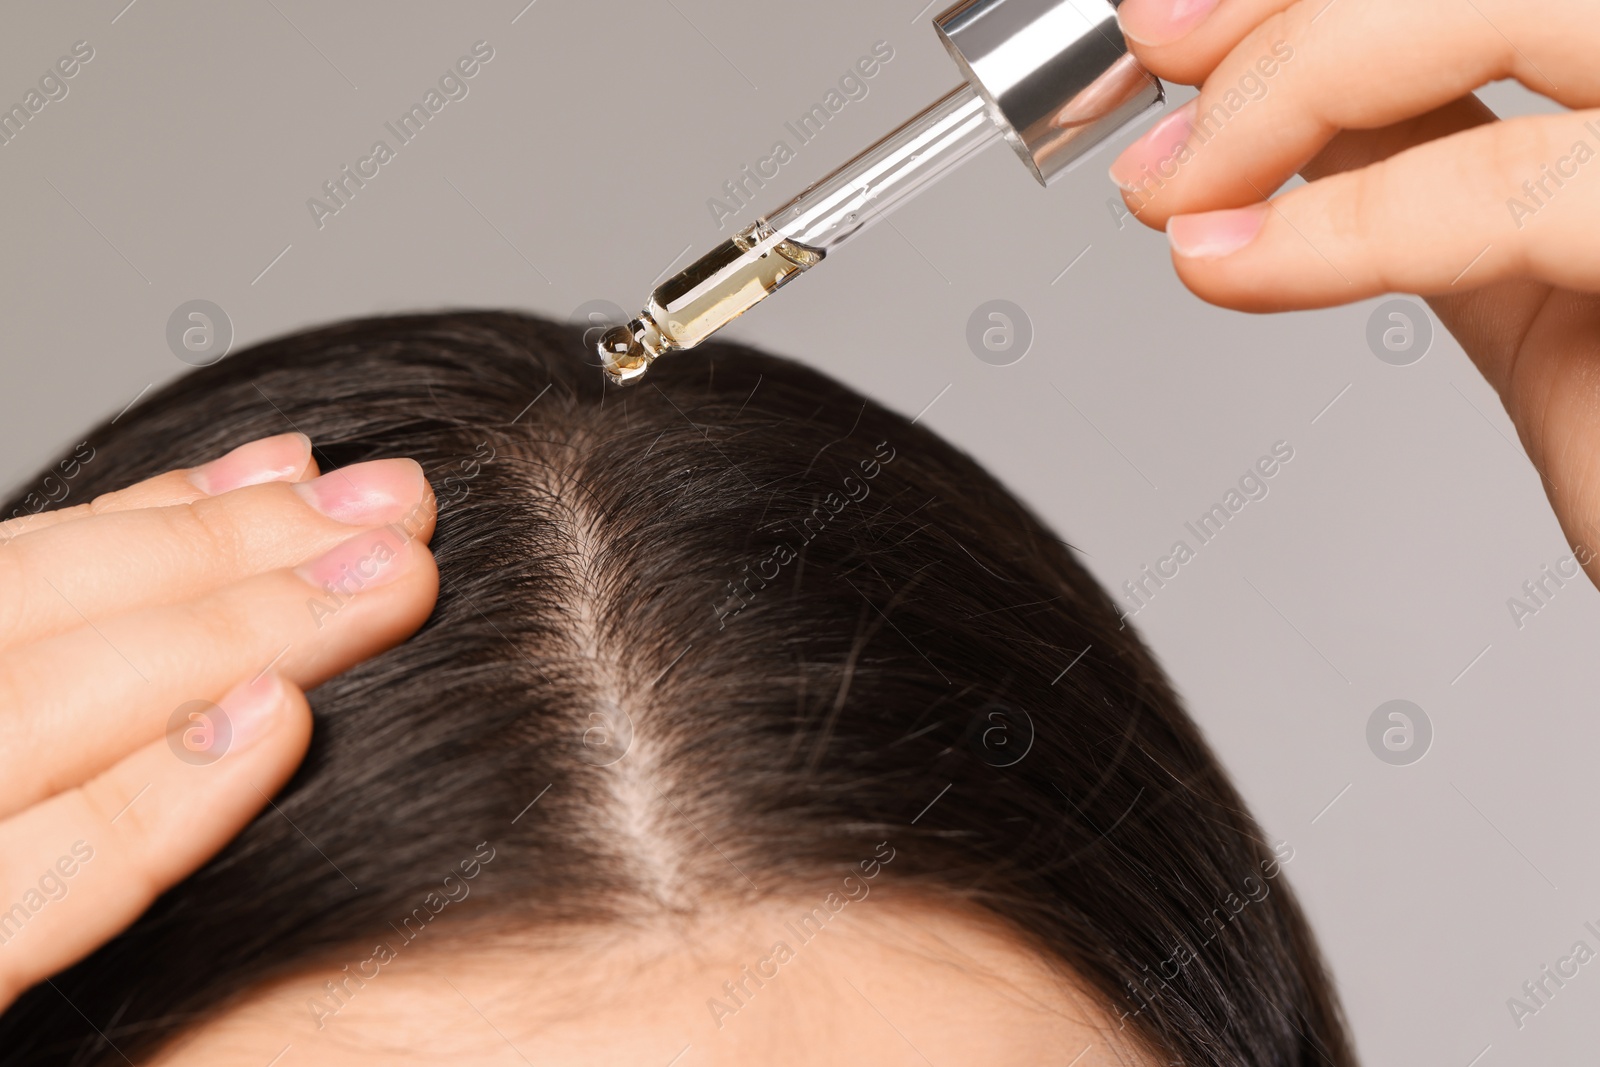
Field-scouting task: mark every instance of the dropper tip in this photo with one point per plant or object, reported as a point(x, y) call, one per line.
point(623, 354)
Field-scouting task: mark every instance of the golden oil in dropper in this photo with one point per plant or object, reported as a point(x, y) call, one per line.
point(708, 294)
point(687, 308)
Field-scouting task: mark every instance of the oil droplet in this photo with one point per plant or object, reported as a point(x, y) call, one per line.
point(623, 357)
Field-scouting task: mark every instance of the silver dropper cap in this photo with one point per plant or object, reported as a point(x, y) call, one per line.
point(1056, 74)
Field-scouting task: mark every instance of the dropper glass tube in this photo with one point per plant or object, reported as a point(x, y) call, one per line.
point(742, 271)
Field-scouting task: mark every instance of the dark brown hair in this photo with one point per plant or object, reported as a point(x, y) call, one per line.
point(734, 628)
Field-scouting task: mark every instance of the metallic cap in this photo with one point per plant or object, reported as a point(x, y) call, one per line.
point(1057, 74)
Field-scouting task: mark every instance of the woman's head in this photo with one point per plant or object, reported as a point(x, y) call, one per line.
point(749, 710)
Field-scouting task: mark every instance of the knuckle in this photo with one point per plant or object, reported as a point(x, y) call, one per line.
point(132, 832)
point(207, 527)
point(1365, 213)
point(1292, 23)
point(1286, 27)
point(1508, 157)
point(1357, 202)
point(105, 503)
point(1511, 147)
point(229, 622)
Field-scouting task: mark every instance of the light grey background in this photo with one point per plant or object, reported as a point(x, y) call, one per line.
point(579, 166)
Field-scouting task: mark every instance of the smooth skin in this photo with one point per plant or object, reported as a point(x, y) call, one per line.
point(123, 618)
point(1410, 179)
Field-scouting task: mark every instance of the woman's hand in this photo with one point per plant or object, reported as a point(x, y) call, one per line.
point(1414, 187)
point(154, 645)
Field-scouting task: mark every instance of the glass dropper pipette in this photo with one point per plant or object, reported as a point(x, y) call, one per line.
point(1054, 78)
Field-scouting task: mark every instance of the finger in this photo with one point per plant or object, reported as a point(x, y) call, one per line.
point(84, 864)
point(1184, 40)
point(308, 624)
point(1534, 344)
point(83, 571)
point(1395, 227)
point(284, 458)
point(1353, 149)
point(1491, 322)
point(1285, 91)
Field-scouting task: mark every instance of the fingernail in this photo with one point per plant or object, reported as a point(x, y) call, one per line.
point(271, 459)
point(252, 709)
point(365, 561)
point(1143, 161)
point(1214, 234)
point(366, 494)
point(1159, 22)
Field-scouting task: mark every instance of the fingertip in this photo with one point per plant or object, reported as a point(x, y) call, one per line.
point(253, 710)
point(370, 493)
point(270, 723)
point(1158, 23)
point(378, 587)
point(311, 469)
point(1216, 234)
point(428, 510)
point(294, 726)
point(261, 718)
point(283, 457)
point(427, 585)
